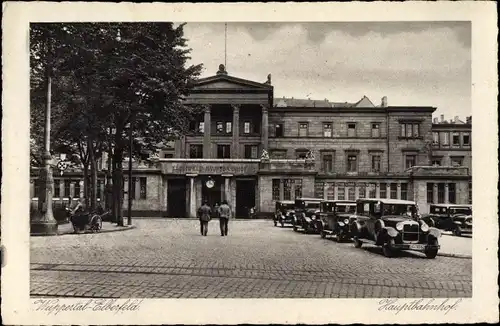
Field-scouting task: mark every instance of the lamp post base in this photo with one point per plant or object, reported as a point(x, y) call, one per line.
point(43, 228)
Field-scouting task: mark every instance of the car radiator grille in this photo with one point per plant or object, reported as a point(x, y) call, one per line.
point(410, 232)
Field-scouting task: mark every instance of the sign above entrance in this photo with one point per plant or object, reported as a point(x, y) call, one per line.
point(210, 168)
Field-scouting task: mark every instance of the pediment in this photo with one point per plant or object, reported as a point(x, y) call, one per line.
point(228, 82)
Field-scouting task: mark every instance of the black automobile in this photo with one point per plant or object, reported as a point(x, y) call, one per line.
point(394, 225)
point(450, 217)
point(284, 212)
point(336, 217)
point(307, 214)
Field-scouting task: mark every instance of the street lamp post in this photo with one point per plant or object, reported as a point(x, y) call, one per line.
point(130, 183)
point(43, 223)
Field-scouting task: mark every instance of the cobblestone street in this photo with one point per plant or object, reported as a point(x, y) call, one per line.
point(169, 258)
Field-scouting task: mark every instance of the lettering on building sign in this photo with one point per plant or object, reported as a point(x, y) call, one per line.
point(209, 169)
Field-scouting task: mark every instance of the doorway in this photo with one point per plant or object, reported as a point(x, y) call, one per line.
point(176, 198)
point(215, 194)
point(245, 197)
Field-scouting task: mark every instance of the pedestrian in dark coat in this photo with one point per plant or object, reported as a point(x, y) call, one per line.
point(204, 214)
point(224, 216)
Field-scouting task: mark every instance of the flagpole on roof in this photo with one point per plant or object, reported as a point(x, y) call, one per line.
point(225, 45)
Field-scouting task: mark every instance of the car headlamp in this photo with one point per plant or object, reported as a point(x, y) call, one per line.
point(287, 214)
point(346, 221)
point(399, 226)
point(458, 222)
point(313, 217)
point(424, 227)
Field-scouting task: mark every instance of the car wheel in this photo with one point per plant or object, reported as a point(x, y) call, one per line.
point(323, 234)
point(357, 243)
point(275, 223)
point(432, 253)
point(282, 224)
point(295, 228)
point(388, 248)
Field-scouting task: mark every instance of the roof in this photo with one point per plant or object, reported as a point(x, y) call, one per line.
point(452, 205)
point(388, 201)
point(293, 102)
point(309, 199)
point(339, 201)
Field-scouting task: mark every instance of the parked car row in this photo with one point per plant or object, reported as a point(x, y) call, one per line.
point(389, 223)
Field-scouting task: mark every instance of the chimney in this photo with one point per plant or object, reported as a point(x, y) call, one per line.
point(442, 118)
point(384, 102)
point(435, 121)
point(468, 120)
point(456, 119)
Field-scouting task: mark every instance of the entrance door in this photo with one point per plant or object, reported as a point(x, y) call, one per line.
point(176, 200)
point(245, 197)
point(213, 195)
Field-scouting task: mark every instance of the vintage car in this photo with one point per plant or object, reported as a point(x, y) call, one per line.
point(394, 225)
point(306, 214)
point(336, 216)
point(450, 217)
point(283, 212)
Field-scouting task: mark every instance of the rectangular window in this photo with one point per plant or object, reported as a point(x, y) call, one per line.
point(327, 130)
point(466, 139)
point(470, 192)
point(455, 138)
point(246, 127)
point(67, 188)
point(303, 126)
point(435, 138)
point(195, 151)
point(219, 127)
point(410, 161)
point(436, 161)
point(287, 189)
point(223, 151)
point(99, 192)
point(330, 191)
point(410, 130)
point(362, 192)
point(383, 190)
point(376, 130)
point(328, 163)
point(300, 154)
point(341, 194)
point(57, 189)
point(298, 188)
point(375, 163)
point(229, 127)
point(352, 163)
point(372, 191)
point(278, 154)
point(276, 189)
point(457, 160)
point(430, 193)
point(440, 193)
point(452, 193)
point(351, 130)
point(394, 190)
point(404, 191)
point(143, 188)
point(351, 193)
point(36, 183)
point(168, 155)
point(250, 151)
point(319, 189)
point(77, 189)
point(132, 190)
point(445, 138)
point(279, 130)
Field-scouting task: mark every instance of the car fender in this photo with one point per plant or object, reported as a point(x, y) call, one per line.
point(434, 232)
point(388, 231)
point(356, 228)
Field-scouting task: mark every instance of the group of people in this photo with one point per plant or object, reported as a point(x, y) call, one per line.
point(206, 213)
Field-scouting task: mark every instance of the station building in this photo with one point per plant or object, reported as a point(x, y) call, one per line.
point(253, 149)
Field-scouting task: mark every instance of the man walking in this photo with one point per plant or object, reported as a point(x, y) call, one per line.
point(224, 215)
point(204, 214)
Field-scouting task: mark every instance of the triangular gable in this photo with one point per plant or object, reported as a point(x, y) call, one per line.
point(364, 103)
point(228, 82)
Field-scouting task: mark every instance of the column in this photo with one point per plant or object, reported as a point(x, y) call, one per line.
point(325, 191)
point(446, 194)
point(265, 127)
point(388, 190)
point(236, 132)
point(227, 189)
point(356, 191)
point(336, 194)
point(399, 190)
point(137, 188)
point(101, 186)
point(72, 189)
point(164, 194)
point(192, 195)
point(207, 144)
point(435, 193)
point(377, 190)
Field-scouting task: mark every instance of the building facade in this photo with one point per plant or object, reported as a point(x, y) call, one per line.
point(253, 149)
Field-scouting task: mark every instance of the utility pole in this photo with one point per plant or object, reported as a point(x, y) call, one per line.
point(43, 223)
point(130, 183)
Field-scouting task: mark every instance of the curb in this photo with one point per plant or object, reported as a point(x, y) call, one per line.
point(444, 254)
point(116, 229)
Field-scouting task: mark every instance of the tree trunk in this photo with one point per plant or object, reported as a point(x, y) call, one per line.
point(93, 176)
point(118, 179)
point(85, 183)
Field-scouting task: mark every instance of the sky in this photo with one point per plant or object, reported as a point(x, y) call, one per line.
point(412, 63)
